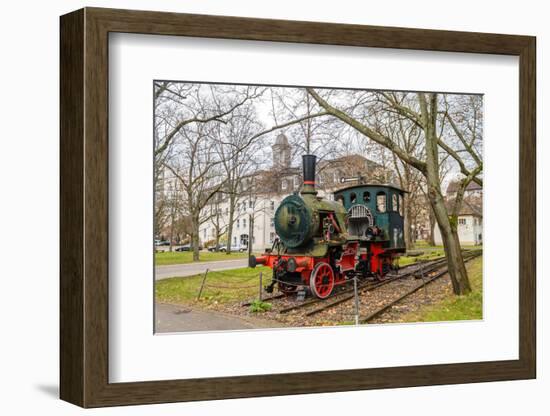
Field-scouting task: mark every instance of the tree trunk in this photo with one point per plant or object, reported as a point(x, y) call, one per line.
point(451, 243)
point(195, 237)
point(431, 237)
point(217, 246)
point(453, 253)
point(230, 226)
point(171, 230)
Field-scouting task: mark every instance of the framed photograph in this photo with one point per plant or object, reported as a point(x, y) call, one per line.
point(255, 207)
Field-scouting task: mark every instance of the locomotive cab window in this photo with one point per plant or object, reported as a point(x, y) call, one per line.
point(381, 202)
point(366, 196)
point(340, 198)
point(352, 198)
point(394, 207)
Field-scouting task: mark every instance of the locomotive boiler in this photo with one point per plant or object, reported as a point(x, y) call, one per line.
point(323, 243)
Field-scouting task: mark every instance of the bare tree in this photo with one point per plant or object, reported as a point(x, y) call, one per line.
point(464, 115)
point(197, 168)
point(421, 109)
point(308, 131)
point(408, 136)
point(238, 148)
point(179, 109)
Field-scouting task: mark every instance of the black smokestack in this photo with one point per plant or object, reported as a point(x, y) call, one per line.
point(308, 165)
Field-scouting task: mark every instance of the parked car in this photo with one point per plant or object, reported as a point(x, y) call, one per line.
point(220, 247)
point(162, 242)
point(237, 248)
point(187, 247)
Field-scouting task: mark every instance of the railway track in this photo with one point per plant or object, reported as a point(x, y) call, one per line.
point(348, 294)
point(379, 311)
point(315, 306)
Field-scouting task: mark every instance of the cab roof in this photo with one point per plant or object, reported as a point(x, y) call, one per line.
point(371, 185)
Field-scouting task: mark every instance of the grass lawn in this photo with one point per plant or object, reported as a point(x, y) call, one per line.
point(456, 308)
point(429, 252)
point(183, 257)
point(423, 244)
point(430, 255)
point(222, 286)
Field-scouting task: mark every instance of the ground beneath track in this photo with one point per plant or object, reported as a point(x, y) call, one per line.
point(208, 316)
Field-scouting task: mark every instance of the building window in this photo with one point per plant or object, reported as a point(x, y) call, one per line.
point(234, 241)
point(352, 198)
point(283, 185)
point(272, 222)
point(381, 202)
point(238, 223)
point(394, 207)
point(244, 222)
point(204, 233)
point(226, 210)
point(462, 221)
point(366, 196)
point(271, 237)
point(296, 182)
point(401, 207)
point(272, 205)
point(250, 204)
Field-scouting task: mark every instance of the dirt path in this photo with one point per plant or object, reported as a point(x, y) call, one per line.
point(174, 318)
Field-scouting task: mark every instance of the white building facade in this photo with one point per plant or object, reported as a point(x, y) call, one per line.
point(470, 230)
point(470, 218)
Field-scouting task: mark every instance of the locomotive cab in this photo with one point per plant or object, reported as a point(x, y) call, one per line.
point(375, 219)
point(375, 213)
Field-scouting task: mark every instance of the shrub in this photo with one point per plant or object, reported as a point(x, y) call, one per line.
point(260, 306)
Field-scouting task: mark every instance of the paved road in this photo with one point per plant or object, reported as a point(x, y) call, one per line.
point(173, 318)
point(191, 269)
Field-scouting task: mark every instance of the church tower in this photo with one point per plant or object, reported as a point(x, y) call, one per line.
point(281, 152)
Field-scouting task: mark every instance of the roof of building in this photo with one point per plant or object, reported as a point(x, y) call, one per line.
point(471, 205)
point(454, 185)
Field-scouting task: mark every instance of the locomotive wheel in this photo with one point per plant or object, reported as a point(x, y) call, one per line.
point(321, 281)
point(286, 288)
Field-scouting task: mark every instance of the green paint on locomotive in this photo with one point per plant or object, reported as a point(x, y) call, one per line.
point(372, 196)
point(298, 222)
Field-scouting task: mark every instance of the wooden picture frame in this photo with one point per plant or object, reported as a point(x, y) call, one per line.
point(84, 207)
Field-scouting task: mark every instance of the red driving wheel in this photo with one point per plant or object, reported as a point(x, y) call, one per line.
point(321, 281)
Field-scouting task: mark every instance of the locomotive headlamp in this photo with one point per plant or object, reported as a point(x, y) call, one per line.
point(291, 265)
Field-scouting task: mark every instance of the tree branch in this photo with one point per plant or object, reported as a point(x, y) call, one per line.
point(373, 135)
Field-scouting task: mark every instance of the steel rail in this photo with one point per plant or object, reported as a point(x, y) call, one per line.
point(389, 305)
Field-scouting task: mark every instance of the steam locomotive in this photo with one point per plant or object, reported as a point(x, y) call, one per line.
point(323, 243)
